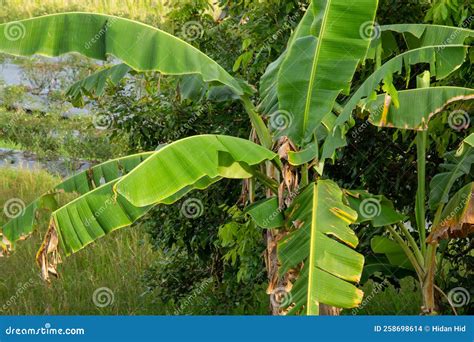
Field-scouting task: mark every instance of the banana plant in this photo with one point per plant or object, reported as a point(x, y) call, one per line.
point(298, 122)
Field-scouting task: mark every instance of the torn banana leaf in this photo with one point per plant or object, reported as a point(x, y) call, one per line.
point(140, 46)
point(417, 106)
point(322, 240)
point(417, 35)
point(442, 59)
point(171, 172)
point(22, 226)
point(457, 219)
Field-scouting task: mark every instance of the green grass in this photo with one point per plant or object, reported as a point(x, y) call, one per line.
point(9, 144)
point(116, 262)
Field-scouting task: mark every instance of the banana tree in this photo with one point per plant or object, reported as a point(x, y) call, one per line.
point(298, 124)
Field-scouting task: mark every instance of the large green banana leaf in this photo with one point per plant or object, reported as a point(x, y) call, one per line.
point(457, 218)
point(442, 59)
point(318, 67)
point(417, 106)
point(22, 226)
point(268, 82)
point(96, 83)
point(142, 47)
point(322, 239)
point(457, 164)
point(190, 163)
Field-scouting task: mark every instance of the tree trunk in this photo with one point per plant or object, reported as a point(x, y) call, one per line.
point(327, 310)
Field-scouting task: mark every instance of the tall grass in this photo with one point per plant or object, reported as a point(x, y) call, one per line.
point(151, 11)
point(116, 262)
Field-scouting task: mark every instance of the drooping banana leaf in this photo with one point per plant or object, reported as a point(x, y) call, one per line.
point(457, 164)
point(96, 83)
point(418, 35)
point(22, 226)
point(457, 218)
point(376, 209)
point(442, 59)
point(187, 164)
point(321, 239)
point(417, 106)
point(140, 46)
point(179, 167)
point(318, 67)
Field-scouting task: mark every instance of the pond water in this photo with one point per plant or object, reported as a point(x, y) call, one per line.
point(13, 75)
point(26, 160)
